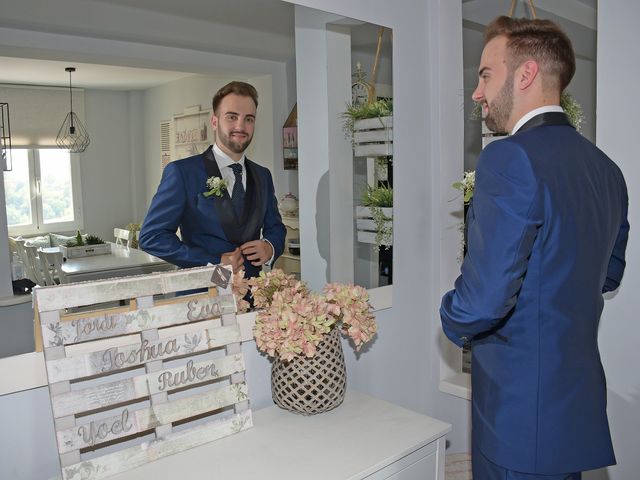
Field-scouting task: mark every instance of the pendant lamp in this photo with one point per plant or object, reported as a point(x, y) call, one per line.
point(72, 135)
point(5, 138)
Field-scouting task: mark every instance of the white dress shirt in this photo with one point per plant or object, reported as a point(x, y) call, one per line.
point(224, 164)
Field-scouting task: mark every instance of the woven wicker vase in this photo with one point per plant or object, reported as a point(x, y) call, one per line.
point(311, 385)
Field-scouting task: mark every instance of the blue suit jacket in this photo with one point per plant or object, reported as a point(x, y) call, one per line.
point(208, 225)
point(547, 235)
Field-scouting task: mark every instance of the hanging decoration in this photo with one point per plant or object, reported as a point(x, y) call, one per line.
point(513, 7)
point(72, 135)
point(5, 138)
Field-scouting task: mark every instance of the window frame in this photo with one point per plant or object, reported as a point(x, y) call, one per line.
point(38, 227)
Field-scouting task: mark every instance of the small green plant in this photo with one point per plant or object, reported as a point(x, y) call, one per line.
point(377, 198)
point(81, 241)
point(380, 196)
point(573, 110)
point(93, 240)
point(377, 109)
point(467, 185)
point(384, 227)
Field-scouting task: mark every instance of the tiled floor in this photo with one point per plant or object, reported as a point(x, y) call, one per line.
point(458, 467)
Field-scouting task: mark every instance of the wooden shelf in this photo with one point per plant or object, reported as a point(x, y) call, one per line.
point(290, 256)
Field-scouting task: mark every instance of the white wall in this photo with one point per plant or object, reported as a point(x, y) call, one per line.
point(617, 135)
point(106, 192)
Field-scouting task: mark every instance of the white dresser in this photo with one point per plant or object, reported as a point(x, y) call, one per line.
point(363, 438)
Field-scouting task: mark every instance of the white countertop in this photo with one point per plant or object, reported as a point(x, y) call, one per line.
point(350, 442)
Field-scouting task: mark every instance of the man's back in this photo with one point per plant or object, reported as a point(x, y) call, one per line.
point(537, 377)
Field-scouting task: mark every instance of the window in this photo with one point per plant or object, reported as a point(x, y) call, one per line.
point(42, 192)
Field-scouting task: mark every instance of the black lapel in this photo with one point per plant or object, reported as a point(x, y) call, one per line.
point(546, 118)
point(253, 212)
point(222, 205)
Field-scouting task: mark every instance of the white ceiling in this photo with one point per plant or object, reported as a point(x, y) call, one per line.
point(91, 76)
point(269, 17)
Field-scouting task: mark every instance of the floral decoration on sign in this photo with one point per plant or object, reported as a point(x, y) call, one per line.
point(216, 185)
point(294, 320)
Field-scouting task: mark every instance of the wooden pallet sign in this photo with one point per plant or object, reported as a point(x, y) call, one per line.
point(132, 384)
point(373, 137)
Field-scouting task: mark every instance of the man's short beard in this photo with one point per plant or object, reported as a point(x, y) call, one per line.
point(500, 108)
point(235, 146)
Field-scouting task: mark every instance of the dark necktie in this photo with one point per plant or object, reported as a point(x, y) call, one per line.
point(237, 195)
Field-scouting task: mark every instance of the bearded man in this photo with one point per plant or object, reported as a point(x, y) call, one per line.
point(547, 233)
point(223, 203)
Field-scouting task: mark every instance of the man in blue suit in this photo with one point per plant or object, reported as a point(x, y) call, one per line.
point(237, 224)
point(547, 232)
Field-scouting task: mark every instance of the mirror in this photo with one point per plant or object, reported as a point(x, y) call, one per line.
point(134, 77)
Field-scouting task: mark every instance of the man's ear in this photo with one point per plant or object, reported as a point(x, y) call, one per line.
point(526, 74)
point(214, 121)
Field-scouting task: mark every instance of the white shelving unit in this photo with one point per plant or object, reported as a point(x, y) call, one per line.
point(373, 138)
point(191, 132)
point(288, 261)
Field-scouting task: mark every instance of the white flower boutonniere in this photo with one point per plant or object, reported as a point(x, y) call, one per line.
point(216, 185)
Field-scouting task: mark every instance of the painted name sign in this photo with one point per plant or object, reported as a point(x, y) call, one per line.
point(114, 359)
point(187, 376)
point(110, 324)
point(97, 432)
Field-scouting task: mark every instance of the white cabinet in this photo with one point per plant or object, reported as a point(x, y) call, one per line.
point(364, 438)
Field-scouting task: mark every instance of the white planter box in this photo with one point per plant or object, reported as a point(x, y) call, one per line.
point(365, 212)
point(366, 226)
point(373, 137)
point(85, 250)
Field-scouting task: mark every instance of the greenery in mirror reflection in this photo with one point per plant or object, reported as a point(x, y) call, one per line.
point(379, 108)
point(377, 198)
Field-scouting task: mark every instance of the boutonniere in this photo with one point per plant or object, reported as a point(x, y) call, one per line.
point(217, 186)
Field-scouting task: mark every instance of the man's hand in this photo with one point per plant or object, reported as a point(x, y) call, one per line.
point(258, 252)
point(235, 259)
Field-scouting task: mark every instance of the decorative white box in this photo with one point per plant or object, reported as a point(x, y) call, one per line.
point(373, 137)
point(366, 226)
point(85, 250)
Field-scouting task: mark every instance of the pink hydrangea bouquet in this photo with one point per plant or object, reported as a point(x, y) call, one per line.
point(292, 320)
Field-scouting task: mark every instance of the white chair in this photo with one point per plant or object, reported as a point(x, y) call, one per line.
point(17, 244)
point(33, 266)
point(51, 263)
point(123, 237)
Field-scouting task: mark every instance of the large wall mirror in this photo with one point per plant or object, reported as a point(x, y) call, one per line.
point(142, 62)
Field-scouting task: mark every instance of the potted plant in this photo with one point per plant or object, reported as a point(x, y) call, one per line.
point(370, 128)
point(300, 331)
point(374, 218)
point(85, 246)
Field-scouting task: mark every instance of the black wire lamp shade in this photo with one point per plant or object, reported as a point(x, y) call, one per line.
point(72, 135)
point(5, 138)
